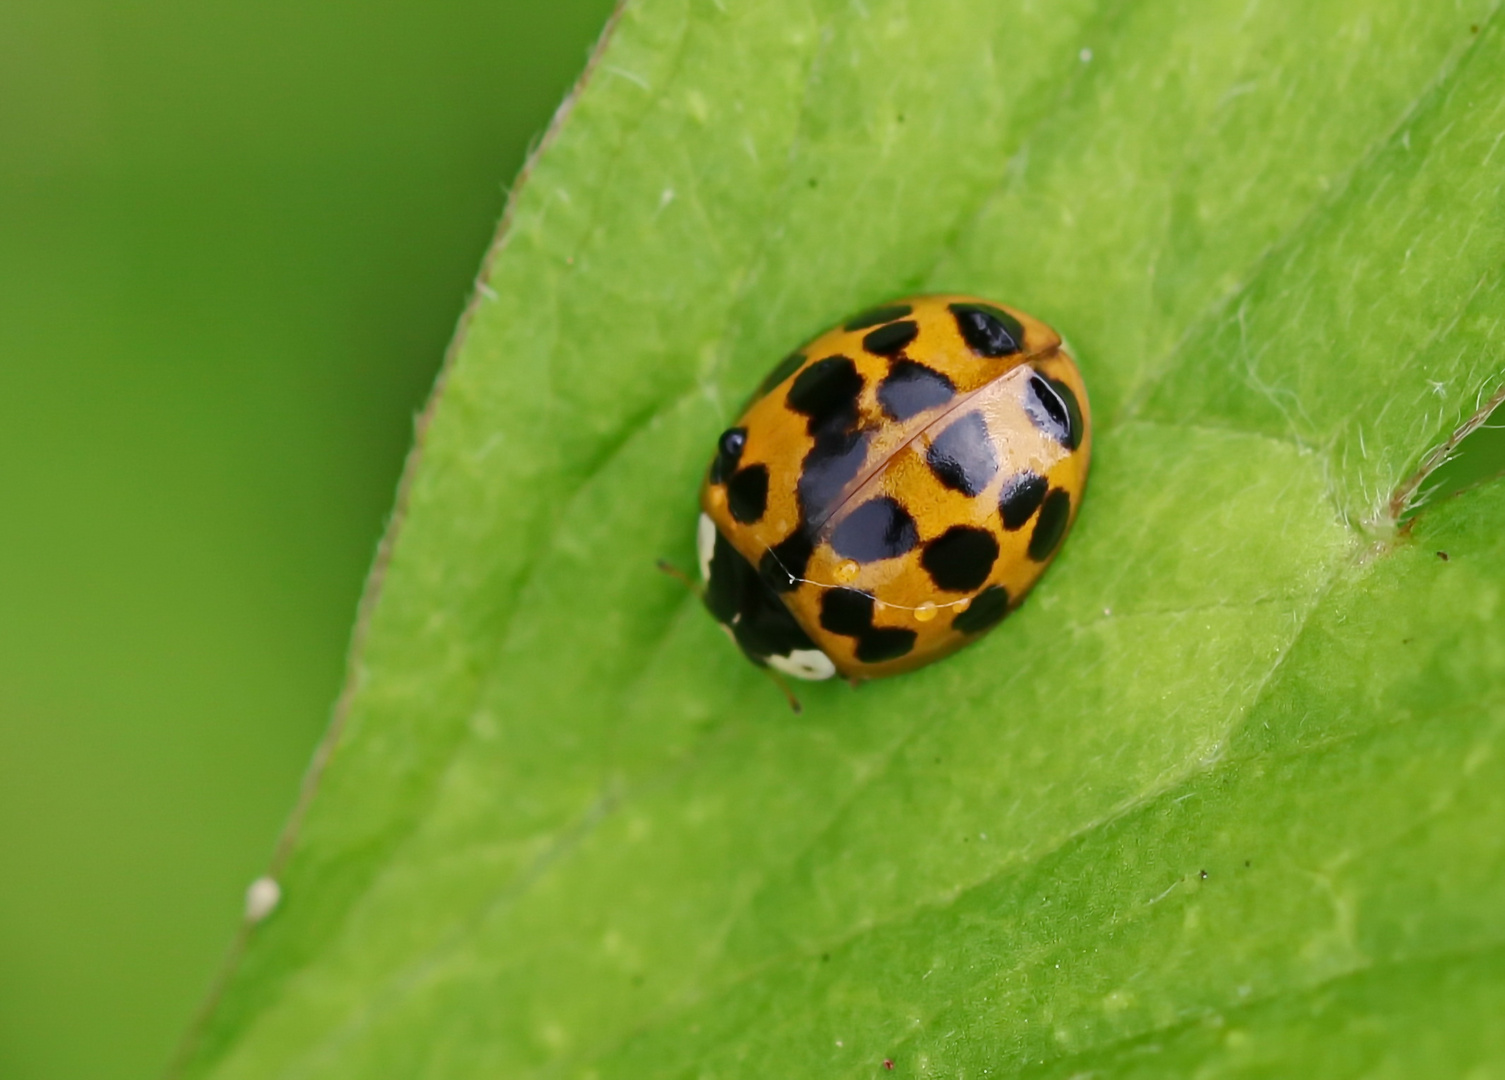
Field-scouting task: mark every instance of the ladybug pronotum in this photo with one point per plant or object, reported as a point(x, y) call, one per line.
point(894, 488)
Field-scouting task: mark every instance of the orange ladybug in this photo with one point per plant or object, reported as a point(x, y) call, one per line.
point(894, 489)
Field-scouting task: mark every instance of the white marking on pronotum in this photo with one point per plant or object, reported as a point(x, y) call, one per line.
point(804, 664)
point(705, 545)
point(262, 897)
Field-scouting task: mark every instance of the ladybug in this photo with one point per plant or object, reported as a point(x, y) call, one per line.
point(894, 488)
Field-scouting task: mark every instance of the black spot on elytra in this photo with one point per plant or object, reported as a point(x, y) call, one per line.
point(1051, 524)
point(1054, 409)
point(738, 598)
point(846, 611)
point(747, 493)
point(878, 529)
point(961, 558)
point(962, 455)
point(911, 388)
point(891, 339)
point(832, 463)
point(850, 613)
point(728, 453)
point(874, 316)
point(781, 371)
point(987, 330)
point(783, 565)
point(985, 612)
point(1021, 497)
point(826, 392)
point(884, 643)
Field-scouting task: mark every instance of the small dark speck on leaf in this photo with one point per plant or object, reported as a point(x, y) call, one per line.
point(813, 181)
point(1246, 862)
point(1443, 555)
point(1202, 874)
point(1407, 640)
point(825, 956)
point(888, 1063)
point(1474, 29)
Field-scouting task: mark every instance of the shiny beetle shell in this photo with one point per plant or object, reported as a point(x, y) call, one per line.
point(894, 488)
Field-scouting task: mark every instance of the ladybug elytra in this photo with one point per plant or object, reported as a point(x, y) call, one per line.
point(894, 488)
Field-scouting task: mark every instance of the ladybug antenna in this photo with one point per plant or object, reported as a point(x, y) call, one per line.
point(680, 576)
point(778, 680)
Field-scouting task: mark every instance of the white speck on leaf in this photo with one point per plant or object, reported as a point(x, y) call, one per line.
point(262, 897)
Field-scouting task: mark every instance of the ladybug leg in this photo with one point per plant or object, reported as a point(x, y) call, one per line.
point(778, 680)
point(855, 681)
point(696, 589)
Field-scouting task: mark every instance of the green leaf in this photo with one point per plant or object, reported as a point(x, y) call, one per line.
point(1225, 795)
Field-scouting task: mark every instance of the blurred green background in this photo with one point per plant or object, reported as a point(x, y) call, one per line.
point(234, 240)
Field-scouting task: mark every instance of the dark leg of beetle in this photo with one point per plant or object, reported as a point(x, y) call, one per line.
point(778, 680)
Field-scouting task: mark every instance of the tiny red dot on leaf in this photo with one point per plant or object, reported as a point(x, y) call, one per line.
point(888, 1063)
